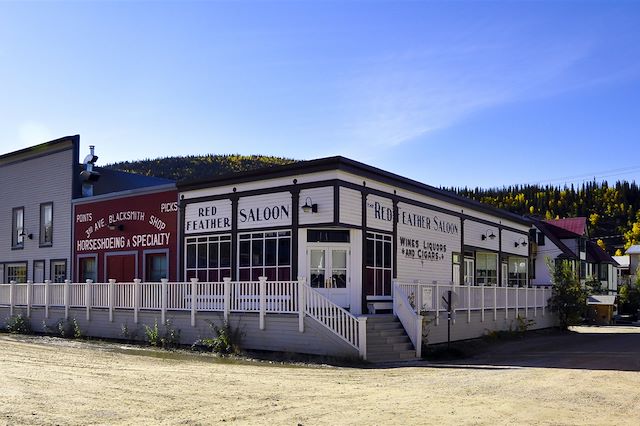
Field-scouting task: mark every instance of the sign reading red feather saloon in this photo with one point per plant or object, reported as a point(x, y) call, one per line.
point(142, 226)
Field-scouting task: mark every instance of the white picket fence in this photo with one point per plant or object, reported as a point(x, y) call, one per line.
point(262, 297)
point(412, 300)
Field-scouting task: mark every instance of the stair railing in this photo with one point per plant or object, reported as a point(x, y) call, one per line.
point(410, 319)
point(340, 322)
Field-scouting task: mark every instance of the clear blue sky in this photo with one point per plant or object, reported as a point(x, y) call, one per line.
point(481, 93)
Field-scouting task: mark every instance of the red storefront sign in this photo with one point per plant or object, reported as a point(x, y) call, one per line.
point(127, 237)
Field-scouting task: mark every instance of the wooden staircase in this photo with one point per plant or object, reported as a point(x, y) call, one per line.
point(387, 340)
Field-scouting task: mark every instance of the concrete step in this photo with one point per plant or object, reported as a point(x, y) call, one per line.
point(384, 326)
point(390, 347)
point(391, 356)
point(381, 340)
point(386, 333)
point(380, 318)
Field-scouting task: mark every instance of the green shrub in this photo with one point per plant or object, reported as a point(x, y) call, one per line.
point(18, 324)
point(167, 340)
point(68, 329)
point(226, 340)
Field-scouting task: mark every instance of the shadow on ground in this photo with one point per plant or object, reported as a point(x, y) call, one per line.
point(585, 347)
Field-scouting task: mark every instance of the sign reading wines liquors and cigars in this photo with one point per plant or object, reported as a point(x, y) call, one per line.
point(124, 229)
point(258, 211)
point(426, 240)
point(424, 236)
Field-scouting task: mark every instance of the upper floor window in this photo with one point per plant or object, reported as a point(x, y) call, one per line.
point(17, 228)
point(46, 224)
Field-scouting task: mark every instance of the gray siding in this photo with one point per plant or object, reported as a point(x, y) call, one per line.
point(29, 183)
point(280, 333)
point(462, 330)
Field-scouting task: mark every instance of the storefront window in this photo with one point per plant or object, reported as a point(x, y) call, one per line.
point(88, 269)
point(208, 258)
point(378, 264)
point(58, 270)
point(517, 271)
point(156, 267)
point(16, 272)
point(486, 268)
point(264, 254)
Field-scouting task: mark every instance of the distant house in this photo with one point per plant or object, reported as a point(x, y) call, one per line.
point(568, 239)
point(634, 261)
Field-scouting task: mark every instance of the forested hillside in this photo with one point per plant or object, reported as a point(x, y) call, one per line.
point(611, 210)
point(198, 166)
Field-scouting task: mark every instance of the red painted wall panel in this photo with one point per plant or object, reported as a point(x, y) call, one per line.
point(136, 225)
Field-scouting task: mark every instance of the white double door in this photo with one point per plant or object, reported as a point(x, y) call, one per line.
point(328, 272)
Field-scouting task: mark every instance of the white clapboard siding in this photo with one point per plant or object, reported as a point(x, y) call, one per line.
point(207, 216)
point(323, 197)
point(405, 193)
point(509, 240)
point(473, 232)
point(379, 213)
point(28, 184)
point(350, 206)
point(426, 241)
point(277, 205)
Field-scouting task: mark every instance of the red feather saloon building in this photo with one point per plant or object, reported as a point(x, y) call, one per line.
point(124, 236)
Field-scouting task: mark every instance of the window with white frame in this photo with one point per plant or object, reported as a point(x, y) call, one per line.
point(517, 271)
point(46, 224)
point(378, 266)
point(208, 258)
point(264, 254)
point(16, 272)
point(58, 270)
point(486, 268)
point(17, 227)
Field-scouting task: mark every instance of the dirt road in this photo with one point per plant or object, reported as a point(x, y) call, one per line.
point(52, 381)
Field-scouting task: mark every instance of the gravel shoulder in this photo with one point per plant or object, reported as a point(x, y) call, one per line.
point(54, 381)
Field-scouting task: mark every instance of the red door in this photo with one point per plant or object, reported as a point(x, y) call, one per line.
point(122, 268)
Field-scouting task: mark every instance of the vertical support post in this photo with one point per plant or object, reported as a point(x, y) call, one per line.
point(535, 301)
point(29, 292)
point(469, 303)
point(526, 302)
point(87, 297)
point(544, 300)
point(66, 298)
point(301, 303)
point(262, 290)
point(495, 302)
point(46, 298)
point(136, 299)
point(194, 297)
point(163, 299)
point(362, 336)
point(452, 310)
point(112, 298)
point(517, 301)
point(437, 302)
point(482, 303)
point(227, 297)
point(12, 296)
point(419, 323)
point(419, 301)
point(506, 301)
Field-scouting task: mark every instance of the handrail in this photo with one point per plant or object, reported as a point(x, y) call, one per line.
point(408, 316)
point(342, 323)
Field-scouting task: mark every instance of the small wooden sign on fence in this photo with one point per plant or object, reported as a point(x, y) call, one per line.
point(427, 298)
